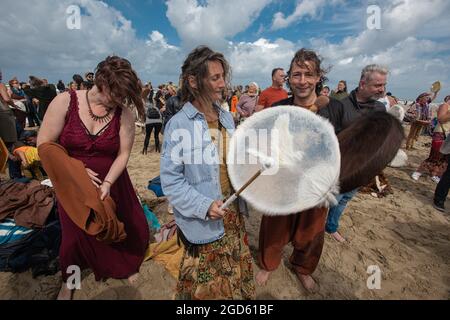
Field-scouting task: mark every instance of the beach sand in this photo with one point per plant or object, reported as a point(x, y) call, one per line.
point(402, 234)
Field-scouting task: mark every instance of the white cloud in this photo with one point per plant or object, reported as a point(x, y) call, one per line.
point(415, 63)
point(37, 41)
point(255, 61)
point(346, 61)
point(46, 48)
point(411, 69)
point(304, 8)
point(413, 43)
point(212, 22)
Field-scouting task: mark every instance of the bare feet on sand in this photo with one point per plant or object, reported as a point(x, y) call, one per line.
point(307, 282)
point(65, 293)
point(262, 276)
point(336, 236)
point(133, 278)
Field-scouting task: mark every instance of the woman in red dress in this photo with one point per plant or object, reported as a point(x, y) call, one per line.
point(97, 128)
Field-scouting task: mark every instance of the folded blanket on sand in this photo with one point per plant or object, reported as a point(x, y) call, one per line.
point(166, 250)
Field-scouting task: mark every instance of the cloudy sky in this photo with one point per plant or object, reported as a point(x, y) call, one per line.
point(255, 36)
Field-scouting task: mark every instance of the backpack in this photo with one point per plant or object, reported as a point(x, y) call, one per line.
point(153, 113)
point(37, 250)
point(155, 186)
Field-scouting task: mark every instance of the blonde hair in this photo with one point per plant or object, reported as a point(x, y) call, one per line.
point(172, 88)
point(254, 84)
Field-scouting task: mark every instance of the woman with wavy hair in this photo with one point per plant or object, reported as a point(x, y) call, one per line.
point(96, 126)
point(216, 263)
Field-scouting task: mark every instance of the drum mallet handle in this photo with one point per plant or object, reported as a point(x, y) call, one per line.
point(237, 193)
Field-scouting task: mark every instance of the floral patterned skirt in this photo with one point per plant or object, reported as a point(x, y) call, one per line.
point(436, 163)
point(223, 268)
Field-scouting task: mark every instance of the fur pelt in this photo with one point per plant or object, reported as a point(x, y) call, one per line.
point(379, 187)
point(367, 146)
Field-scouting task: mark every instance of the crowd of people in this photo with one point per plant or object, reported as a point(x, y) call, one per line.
point(92, 121)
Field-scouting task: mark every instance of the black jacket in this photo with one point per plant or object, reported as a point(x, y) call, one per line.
point(354, 109)
point(341, 113)
point(45, 95)
point(333, 111)
point(173, 105)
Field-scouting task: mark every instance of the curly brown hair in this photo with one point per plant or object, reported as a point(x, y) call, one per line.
point(196, 65)
point(116, 76)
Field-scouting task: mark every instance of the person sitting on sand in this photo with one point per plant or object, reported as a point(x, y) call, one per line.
point(28, 155)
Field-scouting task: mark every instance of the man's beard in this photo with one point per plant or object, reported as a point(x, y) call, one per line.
point(376, 96)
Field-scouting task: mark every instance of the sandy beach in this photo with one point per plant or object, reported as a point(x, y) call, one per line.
point(402, 234)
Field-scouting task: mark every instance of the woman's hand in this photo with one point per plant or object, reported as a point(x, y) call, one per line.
point(214, 212)
point(105, 189)
point(93, 176)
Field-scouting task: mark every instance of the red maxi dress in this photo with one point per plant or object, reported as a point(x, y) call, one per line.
point(97, 152)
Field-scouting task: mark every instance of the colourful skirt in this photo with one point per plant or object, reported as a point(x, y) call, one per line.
point(223, 268)
point(436, 163)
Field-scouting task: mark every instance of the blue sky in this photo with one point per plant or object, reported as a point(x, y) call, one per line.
point(148, 15)
point(254, 35)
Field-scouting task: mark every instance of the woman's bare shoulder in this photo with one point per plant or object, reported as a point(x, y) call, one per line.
point(62, 98)
point(60, 103)
point(128, 115)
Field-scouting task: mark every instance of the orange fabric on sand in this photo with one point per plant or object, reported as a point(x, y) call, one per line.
point(169, 253)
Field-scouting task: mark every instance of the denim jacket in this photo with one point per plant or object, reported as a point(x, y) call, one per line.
point(190, 175)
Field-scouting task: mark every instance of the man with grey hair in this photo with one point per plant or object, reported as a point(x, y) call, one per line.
point(372, 86)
